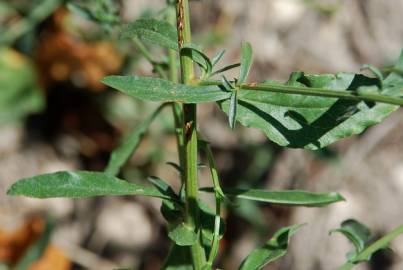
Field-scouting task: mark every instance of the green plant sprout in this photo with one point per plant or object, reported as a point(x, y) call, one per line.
point(308, 111)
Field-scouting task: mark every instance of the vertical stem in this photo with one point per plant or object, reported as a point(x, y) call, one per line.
point(176, 107)
point(189, 136)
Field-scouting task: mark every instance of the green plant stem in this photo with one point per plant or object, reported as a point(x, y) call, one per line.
point(189, 136)
point(319, 92)
point(176, 107)
point(147, 55)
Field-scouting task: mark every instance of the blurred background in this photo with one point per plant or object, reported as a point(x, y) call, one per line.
point(55, 115)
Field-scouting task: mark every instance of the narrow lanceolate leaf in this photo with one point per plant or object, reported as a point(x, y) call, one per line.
point(153, 89)
point(154, 31)
point(286, 197)
point(79, 184)
point(227, 84)
point(217, 57)
point(125, 150)
point(367, 253)
point(246, 62)
point(313, 111)
point(274, 249)
point(232, 109)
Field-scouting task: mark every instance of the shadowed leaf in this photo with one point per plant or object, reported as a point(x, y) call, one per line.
point(313, 122)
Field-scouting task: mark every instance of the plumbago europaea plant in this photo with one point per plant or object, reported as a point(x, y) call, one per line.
point(308, 111)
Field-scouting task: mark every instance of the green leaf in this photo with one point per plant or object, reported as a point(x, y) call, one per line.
point(128, 146)
point(366, 254)
point(154, 31)
point(246, 62)
point(182, 235)
point(179, 258)
point(196, 54)
point(227, 84)
point(232, 109)
point(153, 89)
point(37, 249)
point(313, 122)
point(173, 214)
point(162, 186)
point(356, 232)
point(378, 74)
point(217, 57)
point(274, 249)
point(175, 166)
point(381, 243)
point(79, 184)
point(286, 197)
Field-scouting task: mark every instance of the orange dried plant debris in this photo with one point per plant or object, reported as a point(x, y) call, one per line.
point(14, 244)
point(61, 56)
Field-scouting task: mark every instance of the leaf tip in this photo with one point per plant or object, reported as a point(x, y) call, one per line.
point(13, 189)
point(333, 231)
point(338, 197)
point(105, 79)
point(10, 191)
point(110, 80)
